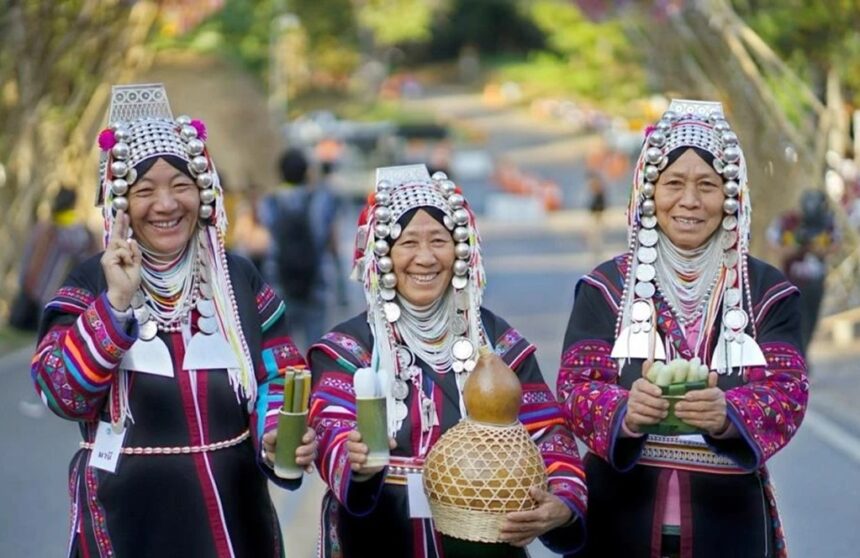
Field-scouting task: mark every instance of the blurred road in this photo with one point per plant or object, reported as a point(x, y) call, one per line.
point(532, 268)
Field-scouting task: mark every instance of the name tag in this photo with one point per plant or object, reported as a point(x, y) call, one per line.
point(419, 506)
point(106, 448)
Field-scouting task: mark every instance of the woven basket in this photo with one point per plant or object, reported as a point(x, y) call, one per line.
point(476, 474)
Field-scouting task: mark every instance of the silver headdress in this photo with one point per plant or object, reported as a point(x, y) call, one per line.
point(703, 125)
point(399, 190)
point(142, 127)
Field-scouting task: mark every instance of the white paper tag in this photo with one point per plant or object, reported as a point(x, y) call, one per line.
point(106, 449)
point(419, 506)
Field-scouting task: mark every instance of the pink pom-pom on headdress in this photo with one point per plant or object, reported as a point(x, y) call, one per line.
point(107, 139)
point(201, 129)
point(648, 129)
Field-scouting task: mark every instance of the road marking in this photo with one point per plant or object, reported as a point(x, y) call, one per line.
point(833, 434)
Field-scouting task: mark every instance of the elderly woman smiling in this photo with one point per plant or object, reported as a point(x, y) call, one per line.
point(169, 353)
point(419, 258)
point(687, 289)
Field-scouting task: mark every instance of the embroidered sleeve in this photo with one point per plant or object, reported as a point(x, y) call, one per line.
point(279, 352)
point(334, 360)
point(75, 360)
point(587, 383)
point(542, 417)
point(768, 409)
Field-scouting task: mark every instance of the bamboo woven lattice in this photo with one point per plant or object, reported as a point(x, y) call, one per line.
point(476, 473)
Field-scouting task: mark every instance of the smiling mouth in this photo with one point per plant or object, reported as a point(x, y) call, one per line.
point(165, 224)
point(423, 278)
point(688, 220)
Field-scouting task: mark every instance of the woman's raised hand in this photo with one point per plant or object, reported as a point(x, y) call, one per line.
point(121, 264)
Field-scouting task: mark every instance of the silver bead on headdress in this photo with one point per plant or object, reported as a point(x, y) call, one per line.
point(399, 190)
point(703, 125)
point(142, 127)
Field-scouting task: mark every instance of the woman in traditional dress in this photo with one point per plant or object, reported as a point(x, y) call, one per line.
point(169, 354)
point(687, 288)
point(418, 254)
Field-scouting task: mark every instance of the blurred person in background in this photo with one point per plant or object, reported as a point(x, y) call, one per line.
point(688, 289)
point(301, 219)
point(55, 248)
point(804, 238)
point(169, 354)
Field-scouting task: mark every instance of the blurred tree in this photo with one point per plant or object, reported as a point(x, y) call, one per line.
point(812, 37)
point(57, 60)
point(592, 60)
point(393, 22)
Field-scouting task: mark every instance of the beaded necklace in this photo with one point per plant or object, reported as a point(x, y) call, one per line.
point(169, 285)
point(686, 278)
point(426, 331)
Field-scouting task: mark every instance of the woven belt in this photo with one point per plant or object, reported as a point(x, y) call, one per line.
point(177, 450)
point(399, 467)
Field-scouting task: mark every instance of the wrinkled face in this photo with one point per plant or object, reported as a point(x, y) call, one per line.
point(163, 206)
point(423, 259)
point(689, 200)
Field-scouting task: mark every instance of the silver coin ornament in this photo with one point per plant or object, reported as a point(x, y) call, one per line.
point(389, 280)
point(207, 325)
point(730, 223)
point(735, 319)
point(206, 307)
point(648, 237)
point(730, 206)
point(457, 366)
point(461, 267)
point(652, 173)
point(119, 187)
point(399, 389)
point(206, 212)
point(731, 188)
point(647, 254)
point(205, 289)
point(404, 357)
point(137, 299)
point(381, 230)
point(385, 264)
point(462, 349)
point(731, 171)
point(640, 311)
point(391, 311)
point(120, 204)
point(207, 195)
point(648, 207)
point(733, 297)
point(730, 238)
point(461, 234)
point(645, 272)
point(204, 180)
point(396, 229)
point(461, 300)
point(648, 189)
point(400, 411)
point(381, 248)
point(142, 314)
point(649, 221)
point(470, 365)
point(462, 250)
point(459, 325)
point(730, 258)
point(459, 281)
point(148, 330)
point(644, 290)
point(199, 164)
point(387, 294)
